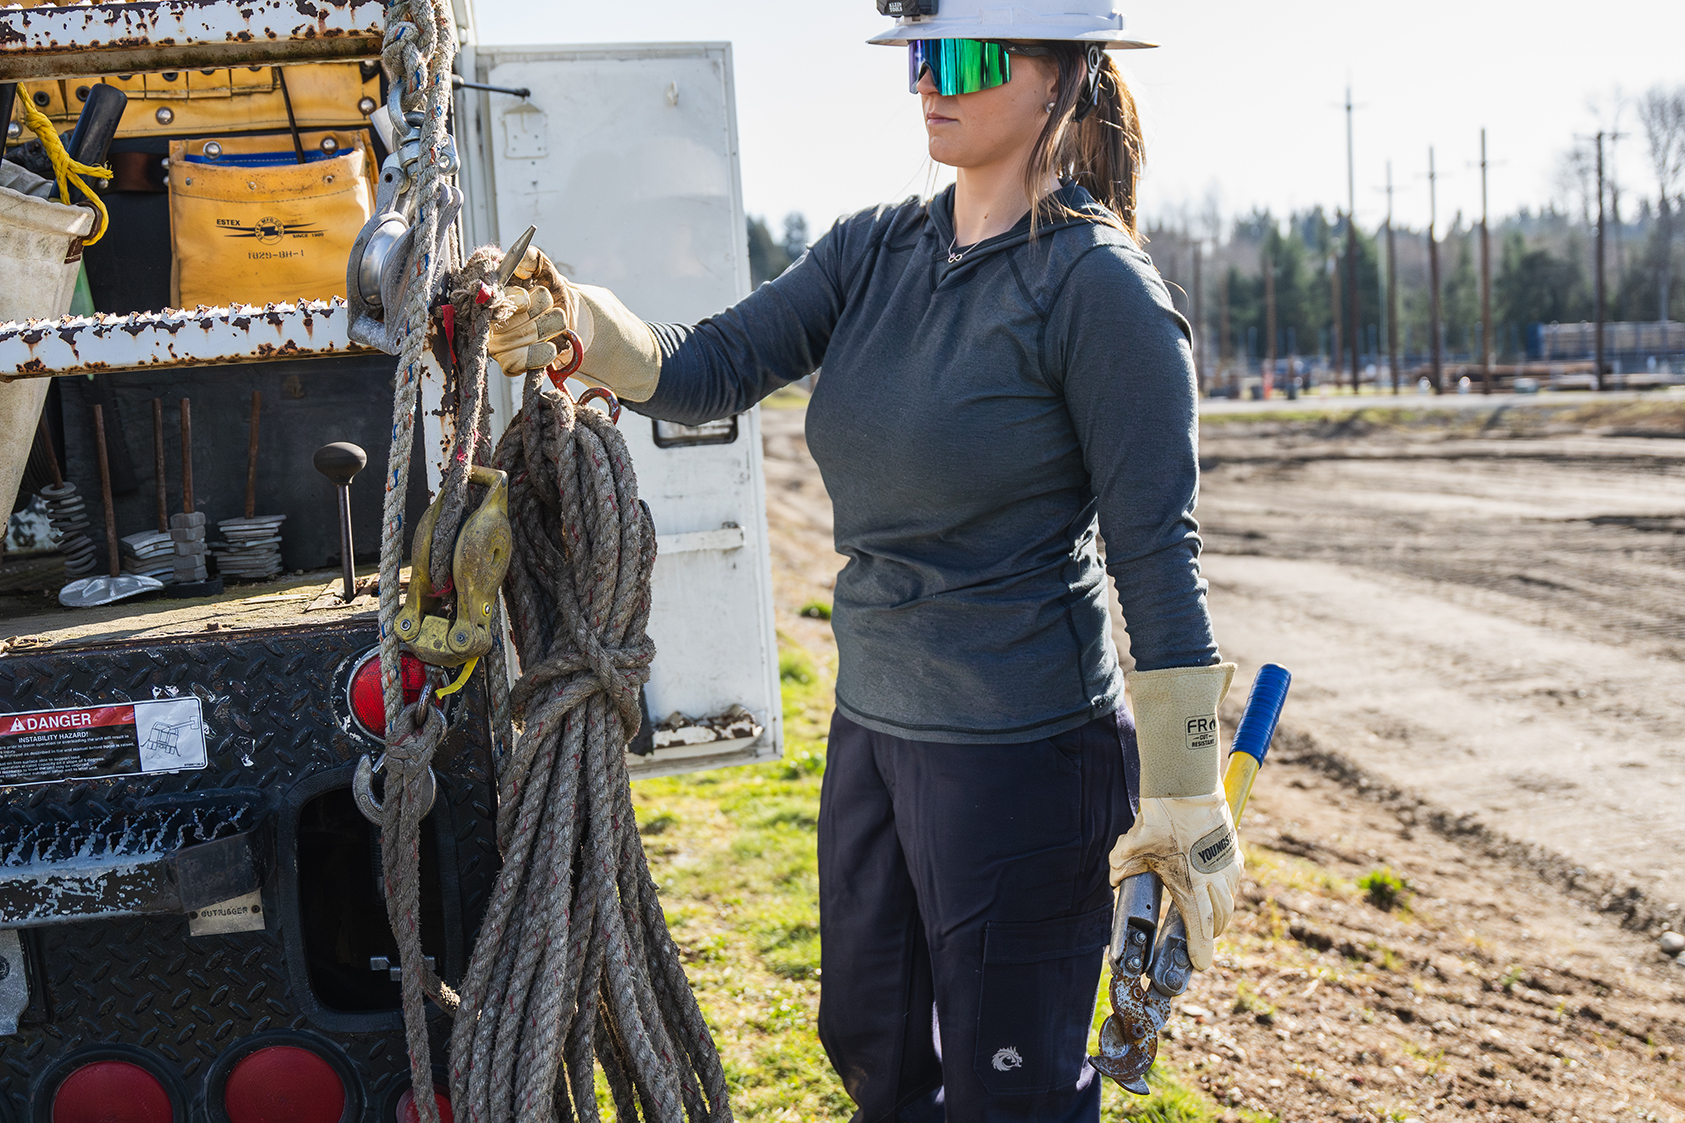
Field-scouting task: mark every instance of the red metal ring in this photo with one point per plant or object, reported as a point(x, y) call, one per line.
point(598, 393)
point(576, 349)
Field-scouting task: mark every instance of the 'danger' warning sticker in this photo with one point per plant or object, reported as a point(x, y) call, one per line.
point(120, 740)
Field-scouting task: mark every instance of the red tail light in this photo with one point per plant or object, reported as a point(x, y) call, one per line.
point(368, 704)
point(407, 1112)
point(112, 1092)
point(283, 1084)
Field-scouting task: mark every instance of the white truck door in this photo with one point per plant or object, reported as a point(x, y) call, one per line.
point(625, 158)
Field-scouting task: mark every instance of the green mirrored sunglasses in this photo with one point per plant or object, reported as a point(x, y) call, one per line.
point(963, 66)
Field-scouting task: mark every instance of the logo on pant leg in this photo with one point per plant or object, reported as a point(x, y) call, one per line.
point(1008, 1059)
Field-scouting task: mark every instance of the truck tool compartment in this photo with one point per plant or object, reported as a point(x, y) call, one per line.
point(191, 916)
point(180, 919)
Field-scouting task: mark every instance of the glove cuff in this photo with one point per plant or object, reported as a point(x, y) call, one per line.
point(620, 351)
point(1176, 728)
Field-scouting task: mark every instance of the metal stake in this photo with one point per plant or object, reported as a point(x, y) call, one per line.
point(158, 464)
point(186, 456)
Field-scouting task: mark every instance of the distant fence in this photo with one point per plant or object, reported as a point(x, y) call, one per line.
point(1627, 347)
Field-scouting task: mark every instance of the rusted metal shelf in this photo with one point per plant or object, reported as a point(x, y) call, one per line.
point(51, 42)
point(148, 340)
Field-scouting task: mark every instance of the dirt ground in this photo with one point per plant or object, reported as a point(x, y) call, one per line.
point(1486, 623)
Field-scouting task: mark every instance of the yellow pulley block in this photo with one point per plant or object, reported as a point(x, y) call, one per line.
point(478, 564)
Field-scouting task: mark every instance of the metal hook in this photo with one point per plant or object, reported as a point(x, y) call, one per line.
point(560, 374)
point(602, 394)
point(362, 781)
point(362, 789)
point(576, 352)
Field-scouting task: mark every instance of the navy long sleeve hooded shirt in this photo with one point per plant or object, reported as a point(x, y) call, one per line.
point(980, 425)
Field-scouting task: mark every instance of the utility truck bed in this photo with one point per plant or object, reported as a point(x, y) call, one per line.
point(186, 881)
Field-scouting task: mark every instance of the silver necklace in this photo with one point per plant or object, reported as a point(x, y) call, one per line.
point(955, 258)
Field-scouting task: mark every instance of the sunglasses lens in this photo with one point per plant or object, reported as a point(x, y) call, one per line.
point(958, 66)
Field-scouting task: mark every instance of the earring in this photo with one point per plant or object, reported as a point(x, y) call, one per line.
point(1050, 105)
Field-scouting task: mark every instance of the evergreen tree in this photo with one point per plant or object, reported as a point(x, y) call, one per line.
point(767, 259)
point(795, 235)
point(1536, 286)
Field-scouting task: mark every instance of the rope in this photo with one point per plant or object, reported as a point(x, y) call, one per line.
point(574, 965)
point(418, 52)
point(64, 168)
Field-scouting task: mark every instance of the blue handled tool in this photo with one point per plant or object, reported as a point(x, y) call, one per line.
point(1129, 1037)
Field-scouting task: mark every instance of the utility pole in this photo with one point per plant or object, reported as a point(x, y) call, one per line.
point(1433, 277)
point(1485, 276)
point(1199, 322)
point(1597, 372)
point(1354, 309)
point(1225, 345)
point(1336, 349)
point(1615, 137)
point(1392, 288)
point(1269, 316)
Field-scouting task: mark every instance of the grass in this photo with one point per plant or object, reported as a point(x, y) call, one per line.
point(786, 397)
point(1384, 888)
point(1249, 1001)
point(796, 669)
point(734, 852)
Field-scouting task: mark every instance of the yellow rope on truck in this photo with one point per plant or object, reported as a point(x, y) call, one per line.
point(64, 168)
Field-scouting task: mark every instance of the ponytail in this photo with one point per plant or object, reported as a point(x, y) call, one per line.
point(1102, 151)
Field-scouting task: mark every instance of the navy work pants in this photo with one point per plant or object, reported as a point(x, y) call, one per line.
point(964, 908)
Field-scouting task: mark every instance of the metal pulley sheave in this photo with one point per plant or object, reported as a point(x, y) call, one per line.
point(376, 275)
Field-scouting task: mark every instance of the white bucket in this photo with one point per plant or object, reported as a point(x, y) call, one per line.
point(40, 254)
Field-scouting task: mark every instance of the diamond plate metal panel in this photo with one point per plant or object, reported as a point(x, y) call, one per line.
point(279, 735)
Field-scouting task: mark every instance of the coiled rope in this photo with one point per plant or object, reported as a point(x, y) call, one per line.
point(574, 965)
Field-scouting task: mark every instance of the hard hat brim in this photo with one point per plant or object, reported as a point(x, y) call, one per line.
point(905, 32)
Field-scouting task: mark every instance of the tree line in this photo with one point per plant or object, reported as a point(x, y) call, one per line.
point(1543, 265)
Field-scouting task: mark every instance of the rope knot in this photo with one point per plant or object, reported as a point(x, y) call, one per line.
point(414, 738)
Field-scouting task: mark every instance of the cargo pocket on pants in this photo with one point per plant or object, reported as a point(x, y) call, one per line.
point(1037, 1001)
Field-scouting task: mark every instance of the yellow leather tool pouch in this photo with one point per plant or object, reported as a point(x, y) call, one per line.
point(251, 227)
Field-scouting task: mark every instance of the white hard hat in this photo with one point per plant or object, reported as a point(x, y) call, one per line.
point(1076, 21)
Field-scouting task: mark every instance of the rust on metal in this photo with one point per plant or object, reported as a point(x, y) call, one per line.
point(1129, 1037)
point(125, 38)
point(240, 334)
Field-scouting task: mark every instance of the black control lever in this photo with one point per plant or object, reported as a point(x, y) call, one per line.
point(339, 462)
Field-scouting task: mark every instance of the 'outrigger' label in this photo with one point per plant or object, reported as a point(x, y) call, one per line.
point(45, 746)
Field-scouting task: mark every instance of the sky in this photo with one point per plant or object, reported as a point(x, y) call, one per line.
point(1243, 103)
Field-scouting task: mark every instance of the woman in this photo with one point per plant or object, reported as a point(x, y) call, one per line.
point(1005, 382)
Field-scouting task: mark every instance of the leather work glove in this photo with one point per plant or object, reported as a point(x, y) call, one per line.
point(523, 341)
point(1185, 833)
point(620, 350)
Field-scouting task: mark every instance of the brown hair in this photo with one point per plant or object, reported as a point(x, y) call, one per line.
point(1102, 152)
